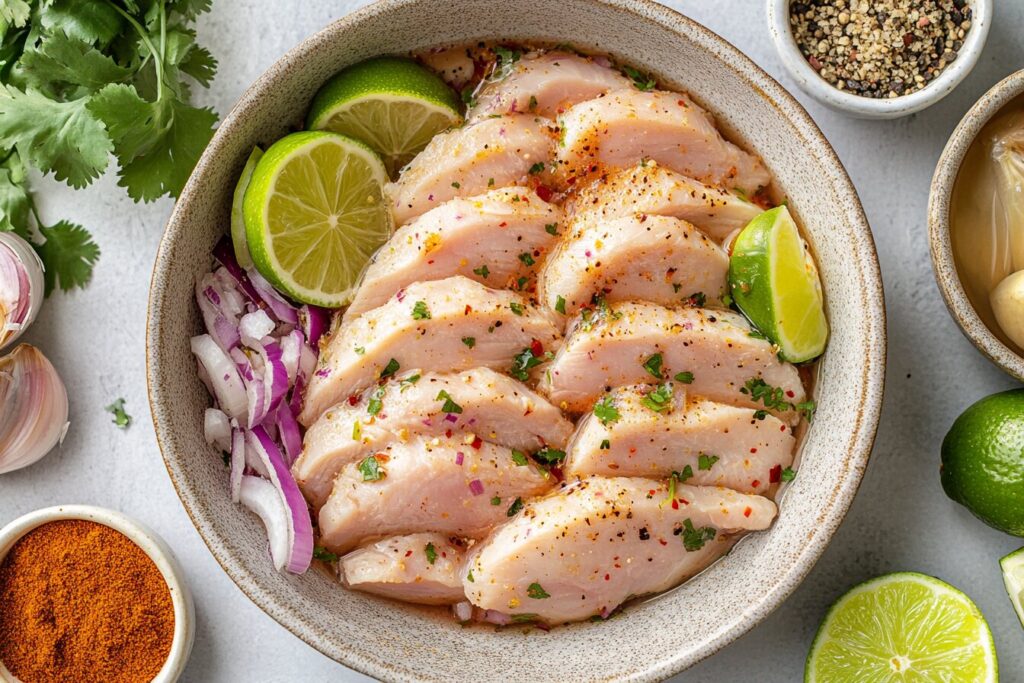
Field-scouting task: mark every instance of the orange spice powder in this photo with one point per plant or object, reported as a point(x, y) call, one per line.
point(80, 603)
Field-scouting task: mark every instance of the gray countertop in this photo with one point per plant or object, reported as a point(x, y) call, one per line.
point(901, 520)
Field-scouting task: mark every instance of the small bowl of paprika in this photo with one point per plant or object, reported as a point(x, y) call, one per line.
point(90, 594)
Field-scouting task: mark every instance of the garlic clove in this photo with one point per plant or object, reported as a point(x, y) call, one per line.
point(21, 286)
point(33, 408)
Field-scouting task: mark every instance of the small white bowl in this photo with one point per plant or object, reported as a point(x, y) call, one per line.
point(151, 544)
point(866, 107)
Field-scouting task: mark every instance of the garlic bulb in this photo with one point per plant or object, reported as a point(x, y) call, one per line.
point(21, 286)
point(33, 408)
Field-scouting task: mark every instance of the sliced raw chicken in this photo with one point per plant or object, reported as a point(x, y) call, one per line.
point(627, 126)
point(585, 549)
point(495, 406)
point(650, 258)
point(653, 189)
point(495, 152)
point(495, 239)
point(608, 347)
point(459, 485)
point(427, 325)
point(546, 84)
point(742, 449)
point(422, 568)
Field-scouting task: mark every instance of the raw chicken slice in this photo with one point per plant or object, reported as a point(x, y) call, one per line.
point(494, 238)
point(653, 189)
point(495, 152)
point(422, 568)
point(650, 258)
point(495, 406)
point(608, 347)
point(626, 126)
point(742, 449)
point(458, 485)
point(426, 325)
point(585, 549)
point(546, 84)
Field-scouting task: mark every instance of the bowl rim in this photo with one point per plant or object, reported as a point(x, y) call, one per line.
point(865, 107)
point(868, 411)
point(150, 543)
point(941, 247)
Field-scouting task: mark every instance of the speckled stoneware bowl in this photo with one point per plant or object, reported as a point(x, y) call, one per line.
point(960, 307)
point(651, 640)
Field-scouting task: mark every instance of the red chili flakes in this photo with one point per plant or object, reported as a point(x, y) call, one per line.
point(400, 295)
point(746, 513)
point(607, 577)
point(469, 309)
point(536, 348)
point(755, 483)
point(651, 492)
point(477, 443)
point(571, 180)
point(662, 541)
point(775, 476)
point(684, 501)
point(503, 224)
point(675, 504)
point(782, 428)
point(430, 262)
point(790, 393)
point(544, 192)
point(408, 553)
point(448, 433)
point(754, 449)
point(353, 400)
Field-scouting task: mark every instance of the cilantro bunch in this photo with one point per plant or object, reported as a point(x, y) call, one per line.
point(84, 80)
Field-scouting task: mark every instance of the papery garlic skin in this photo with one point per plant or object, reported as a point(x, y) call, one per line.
point(21, 287)
point(33, 408)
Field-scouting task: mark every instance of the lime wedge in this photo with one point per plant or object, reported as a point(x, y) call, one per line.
point(394, 105)
point(774, 281)
point(1013, 577)
point(314, 214)
point(903, 627)
point(238, 239)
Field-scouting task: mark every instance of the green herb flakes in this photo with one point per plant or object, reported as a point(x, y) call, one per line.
point(788, 474)
point(537, 168)
point(496, 500)
point(431, 553)
point(659, 399)
point(536, 592)
point(371, 469)
point(390, 369)
point(420, 311)
point(684, 377)
point(482, 271)
point(706, 462)
point(641, 81)
point(450, 406)
point(515, 507)
point(605, 410)
point(519, 458)
point(560, 304)
point(516, 307)
point(549, 456)
point(121, 418)
point(551, 228)
point(653, 366)
point(323, 554)
point(694, 539)
point(526, 258)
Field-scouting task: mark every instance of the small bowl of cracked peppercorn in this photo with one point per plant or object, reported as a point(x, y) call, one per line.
point(879, 59)
point(88, 594)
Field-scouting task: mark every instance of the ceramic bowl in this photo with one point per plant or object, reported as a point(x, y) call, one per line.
point(151, 544)
point(959, 305)
point(865, 107)
point(653, 639)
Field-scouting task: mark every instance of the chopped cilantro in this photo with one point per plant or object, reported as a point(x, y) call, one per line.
point(515, 507)
point(605, 410)
point(653, 365)
point(496, 500)
point(605, 444)
point(482, 271)
point(431, 553)
point(706, 462)
point(376, 401)
point(449, 406)
point(526, 258)
point(694, 539)
point(533, 102)
point(524, 618)
point(516, 307)
point(640, 80)
point(685, 474)
point(519, 458)
point(560, 304)
point(121, 418)
point(469, 341)
point(549, 456)
point(660, 399)
point(360, 350)
point(390, 369)
point(323, 554)
point(410, 380)
point(788, 474)
point(551, 228)
point(684, 377)
point(420, 311)
point(371, 469)
point(467, 96)
point(490, 182)
point(456, 185)
point(522, 363)
point(536, 592)
point(537, 168)
point(774, 398)
point(697, 299)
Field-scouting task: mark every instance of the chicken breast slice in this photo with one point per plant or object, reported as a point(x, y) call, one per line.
point(495, 406)
point(421, 568)
point(650, 258)
point(627, 126)
point(467, 161)
point(653, 189)
point(459, 485)
point(494, 238)
point(608, 346)
point(588, 547)
point(427, 325)
point(546, 84)
point(741, 448)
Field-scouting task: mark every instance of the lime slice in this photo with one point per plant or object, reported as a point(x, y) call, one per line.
point(903, 627)
point(774, 281)
point(1013, 577)
point(314, 215)
point(394, 105)
point(238, 239)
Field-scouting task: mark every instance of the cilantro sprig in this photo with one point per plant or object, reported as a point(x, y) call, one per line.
point(81, 82)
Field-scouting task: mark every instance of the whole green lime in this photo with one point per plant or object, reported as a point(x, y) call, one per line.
point(983, 461)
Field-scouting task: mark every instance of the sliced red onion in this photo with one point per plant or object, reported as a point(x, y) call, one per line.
point(225, 255)
point(300, 536)
point(254, 462)
point(225, 382)
point(237, 462)
point(277, 304)
point(221, 324)
point(256, 398)
point(275, 374)
point(289, 433)
point(463, 611)
point(451, 417)
point(217, 429)
point(263, 498)
point(476, 487)
point(459, 458)
point(253, 327)
point(493, 616)
point(291, 352)
point(315, 322)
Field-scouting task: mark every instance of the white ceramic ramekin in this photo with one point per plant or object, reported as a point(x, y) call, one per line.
point(151, 544)
point(865, 107)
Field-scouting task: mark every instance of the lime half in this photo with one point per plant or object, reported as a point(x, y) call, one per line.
point(773, 280)
point(1013, 577)
point(394, 105)
point(238, 240)
point(903, 627)
point(314, 215)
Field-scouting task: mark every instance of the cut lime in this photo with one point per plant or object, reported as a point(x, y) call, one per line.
point(394, 105)
point(903, 627)
point(773, 280)
point(1013, 577)
point(238, 240)
point(314, 214)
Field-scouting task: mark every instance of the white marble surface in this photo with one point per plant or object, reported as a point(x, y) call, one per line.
point(900, 521)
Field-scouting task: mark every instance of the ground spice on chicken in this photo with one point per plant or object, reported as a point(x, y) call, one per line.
point(880, 48)
point(80, 603)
